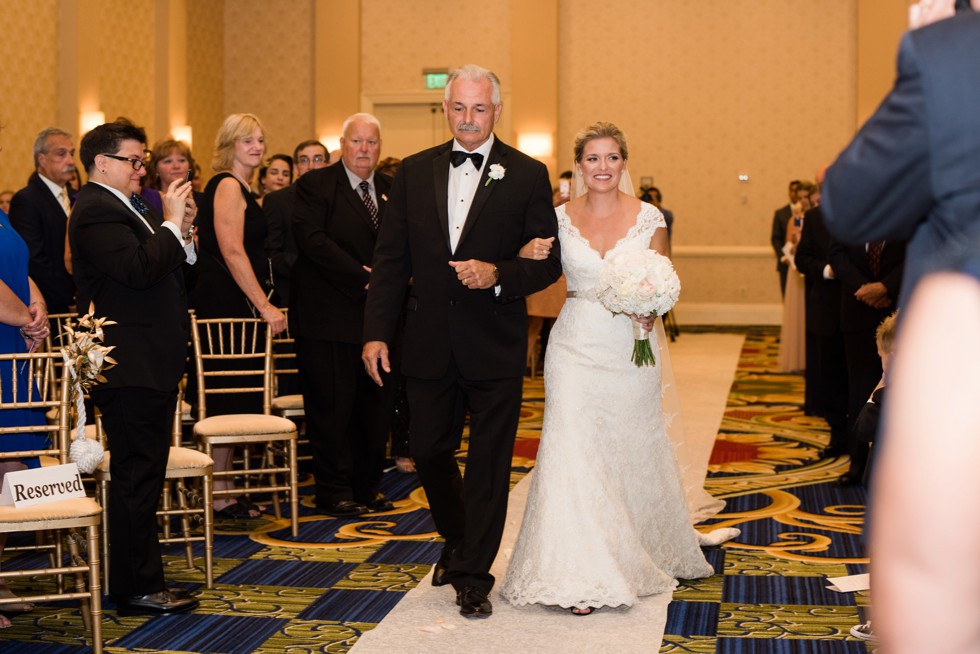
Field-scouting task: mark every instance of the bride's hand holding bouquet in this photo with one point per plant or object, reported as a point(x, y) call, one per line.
point(639, 283)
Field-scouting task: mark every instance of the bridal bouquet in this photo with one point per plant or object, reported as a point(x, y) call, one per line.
point(85, 359)
point(641, 283)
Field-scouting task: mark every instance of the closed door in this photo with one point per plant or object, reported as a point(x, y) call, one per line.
point(407, 128)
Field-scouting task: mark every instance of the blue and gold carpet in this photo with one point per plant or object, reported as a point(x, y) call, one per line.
point(318, 592)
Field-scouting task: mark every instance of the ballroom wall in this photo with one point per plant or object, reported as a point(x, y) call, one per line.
point(705, 91)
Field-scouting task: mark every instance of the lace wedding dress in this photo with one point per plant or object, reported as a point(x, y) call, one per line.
point(606, 519)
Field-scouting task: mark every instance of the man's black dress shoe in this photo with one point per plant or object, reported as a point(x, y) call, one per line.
point(439, 570)
point(379, 504)
point(473, 603)
point(162, 603)
point(342, 508)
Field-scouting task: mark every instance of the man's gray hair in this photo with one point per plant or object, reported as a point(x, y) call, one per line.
point(41, 142)
point(360, 118)
point(474, 73)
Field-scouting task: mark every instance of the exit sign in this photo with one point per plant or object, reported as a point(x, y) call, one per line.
point(436, 80)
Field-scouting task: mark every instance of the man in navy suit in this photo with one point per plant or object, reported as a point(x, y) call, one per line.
point(913, 171)
point(335, 221)
point(457, 218)
point(39, 213)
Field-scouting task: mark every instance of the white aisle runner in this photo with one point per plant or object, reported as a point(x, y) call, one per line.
point(427, 621)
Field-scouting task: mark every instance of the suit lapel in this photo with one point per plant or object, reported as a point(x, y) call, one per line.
point(440, 175)
point(483, 189)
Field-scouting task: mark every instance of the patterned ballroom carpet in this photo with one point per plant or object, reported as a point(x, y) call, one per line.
point(339, 578)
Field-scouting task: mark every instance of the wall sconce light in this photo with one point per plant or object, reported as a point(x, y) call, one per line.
point(88, 120)
point(536, 144)
point(183, 133)
point(331, 141)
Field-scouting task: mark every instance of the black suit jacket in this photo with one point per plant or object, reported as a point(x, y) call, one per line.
point(822, 295)
point(279, 242)
point(780, 221)
point(40, 220)
point(851, 267)
point(335, 240)
point(913, 171)
point(484, 334)
point(134, 278)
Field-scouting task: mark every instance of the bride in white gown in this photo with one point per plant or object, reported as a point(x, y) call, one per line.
point(606, 520)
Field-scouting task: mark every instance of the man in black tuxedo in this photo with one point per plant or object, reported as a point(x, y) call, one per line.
point(826, 369)
point(127, 263)
point(335, 222)
point(913, 171)
point(278, 209)
point(870, 277)
point(777, 234)
point(39, 213)
point(458, 216)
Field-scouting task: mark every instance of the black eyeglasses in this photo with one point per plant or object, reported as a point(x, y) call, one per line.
point(135, 162)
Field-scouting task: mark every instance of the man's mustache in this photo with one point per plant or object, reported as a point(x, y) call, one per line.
point(468, 127)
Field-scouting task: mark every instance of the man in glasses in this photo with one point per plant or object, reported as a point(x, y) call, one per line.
point(278, 208)
point(39, 213)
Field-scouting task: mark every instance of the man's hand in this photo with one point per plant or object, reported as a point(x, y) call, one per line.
point(475, 274)
point(368, 269)
point(874, 294)
point(371, 354)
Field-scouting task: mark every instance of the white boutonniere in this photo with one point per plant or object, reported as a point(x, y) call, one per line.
point(496, 172)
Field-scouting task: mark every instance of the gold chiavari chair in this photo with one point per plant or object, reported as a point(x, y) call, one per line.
point(183, 464)
point(284, 367)
point(25, 386)
point(239, 350)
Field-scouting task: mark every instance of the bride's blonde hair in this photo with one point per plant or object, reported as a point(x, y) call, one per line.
point(600, 130)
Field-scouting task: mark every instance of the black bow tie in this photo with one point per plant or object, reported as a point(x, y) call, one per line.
point(459, 156)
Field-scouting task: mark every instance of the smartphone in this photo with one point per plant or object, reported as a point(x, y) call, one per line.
point(797, 221)
point(190, 176)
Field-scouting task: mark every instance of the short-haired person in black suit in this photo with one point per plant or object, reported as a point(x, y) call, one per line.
point(348, 416)
point(777, 235)
point(458, 214)
point(39, 213)
point(127, 262)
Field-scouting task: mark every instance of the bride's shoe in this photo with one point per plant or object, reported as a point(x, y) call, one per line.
point(588, 610)
point(718, 536)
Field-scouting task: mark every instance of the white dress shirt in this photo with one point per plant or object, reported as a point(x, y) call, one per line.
point(463, 183)
point(355, 182)
point(56, 191)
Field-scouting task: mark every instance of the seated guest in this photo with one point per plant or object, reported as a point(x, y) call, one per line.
point(233, 278)
point(127, 262)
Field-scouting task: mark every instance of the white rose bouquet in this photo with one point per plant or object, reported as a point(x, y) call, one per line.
point(639, 283)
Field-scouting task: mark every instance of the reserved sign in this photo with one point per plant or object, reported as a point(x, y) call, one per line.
point(41, 485)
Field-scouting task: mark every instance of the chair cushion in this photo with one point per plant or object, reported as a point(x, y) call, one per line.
point(243, 424)
point(287, 402)
point(179, 458)
point(76, 507)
